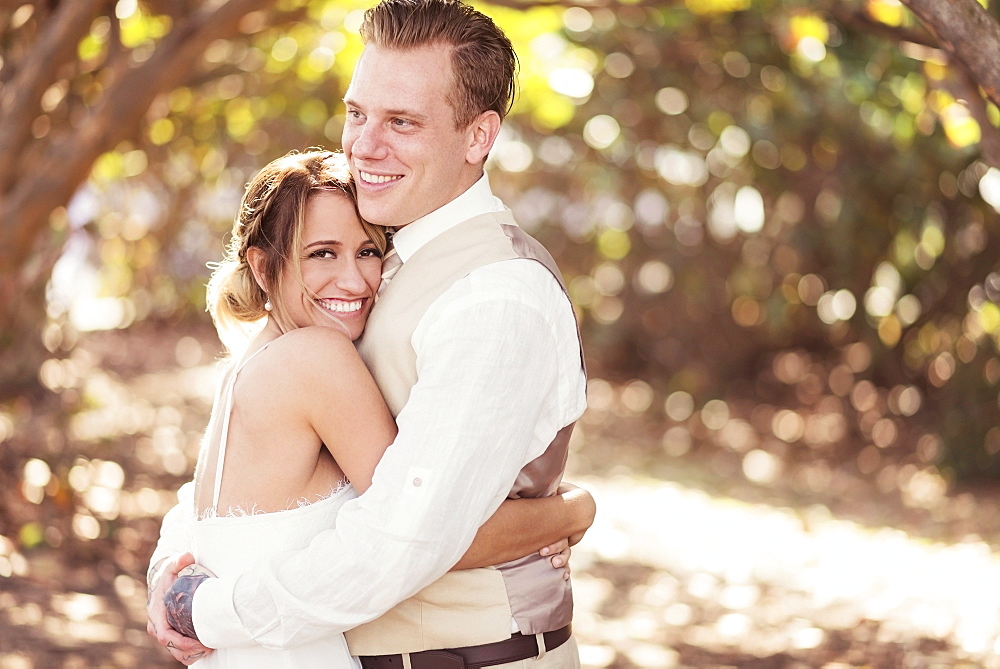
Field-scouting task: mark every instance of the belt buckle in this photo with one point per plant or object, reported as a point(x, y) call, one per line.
point(437, 659)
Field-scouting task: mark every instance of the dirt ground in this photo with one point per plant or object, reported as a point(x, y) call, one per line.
point(699, 557)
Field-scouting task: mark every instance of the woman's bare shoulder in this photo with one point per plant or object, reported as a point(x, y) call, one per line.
point(303, 367)
point(314, 339)
point(312, 353)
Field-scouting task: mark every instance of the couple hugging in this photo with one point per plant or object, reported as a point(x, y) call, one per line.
point(393, 500)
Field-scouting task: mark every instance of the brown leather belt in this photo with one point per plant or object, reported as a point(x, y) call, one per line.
point(518, 647)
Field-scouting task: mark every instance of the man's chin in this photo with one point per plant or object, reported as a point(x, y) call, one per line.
point(379, 216)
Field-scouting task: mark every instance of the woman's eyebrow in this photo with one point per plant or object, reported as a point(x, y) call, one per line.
point(325, 242)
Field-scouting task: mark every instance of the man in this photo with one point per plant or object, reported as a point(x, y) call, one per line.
point(475, 347)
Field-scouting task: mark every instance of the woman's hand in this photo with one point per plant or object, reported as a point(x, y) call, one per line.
point(560, 552)
point(584, 510)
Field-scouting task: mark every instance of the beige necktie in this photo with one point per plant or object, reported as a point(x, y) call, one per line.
point(390, 265)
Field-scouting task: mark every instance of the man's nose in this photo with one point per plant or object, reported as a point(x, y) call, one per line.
point(369, 142)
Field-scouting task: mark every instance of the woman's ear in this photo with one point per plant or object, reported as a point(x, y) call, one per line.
point(255, 258)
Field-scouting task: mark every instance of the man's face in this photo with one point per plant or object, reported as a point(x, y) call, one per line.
point(405, 153)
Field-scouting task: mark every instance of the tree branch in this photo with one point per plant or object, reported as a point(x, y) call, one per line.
point(862, 22)
point(115, 118)
point(20, 97)
point(967, 32)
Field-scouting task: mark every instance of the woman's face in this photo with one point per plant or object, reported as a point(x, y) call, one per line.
point(341, 267)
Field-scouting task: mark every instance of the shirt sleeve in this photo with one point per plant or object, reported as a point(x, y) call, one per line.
point(488, 372)
point(175, 537)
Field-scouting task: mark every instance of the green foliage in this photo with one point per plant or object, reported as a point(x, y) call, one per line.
point(723, 183)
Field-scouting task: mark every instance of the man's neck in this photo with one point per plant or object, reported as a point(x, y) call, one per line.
point(477, 199)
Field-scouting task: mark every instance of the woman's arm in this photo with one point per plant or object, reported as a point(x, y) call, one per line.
point(523, 526)
point(518, 528)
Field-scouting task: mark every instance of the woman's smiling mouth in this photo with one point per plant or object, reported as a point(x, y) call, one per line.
point(342, 306)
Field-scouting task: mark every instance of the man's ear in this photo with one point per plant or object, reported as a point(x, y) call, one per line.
point(255, 258)
point(482, 133)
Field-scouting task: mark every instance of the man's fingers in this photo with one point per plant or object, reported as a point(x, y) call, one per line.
point(193, 657)
point(183, 560)
point(183, 649)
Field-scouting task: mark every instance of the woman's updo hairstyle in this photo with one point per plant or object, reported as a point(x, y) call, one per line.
point(271, 217)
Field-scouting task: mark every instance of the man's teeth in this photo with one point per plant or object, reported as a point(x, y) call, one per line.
point(342, 307)
point(378, 178)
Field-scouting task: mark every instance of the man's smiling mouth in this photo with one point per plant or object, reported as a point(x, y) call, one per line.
point(368, 177)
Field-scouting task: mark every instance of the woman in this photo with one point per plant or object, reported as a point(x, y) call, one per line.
point(298, 424)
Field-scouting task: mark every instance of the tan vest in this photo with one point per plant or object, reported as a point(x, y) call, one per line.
point(472, 606)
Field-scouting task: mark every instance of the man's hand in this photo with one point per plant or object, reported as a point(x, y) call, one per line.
point(185, 650)
point(179, 598)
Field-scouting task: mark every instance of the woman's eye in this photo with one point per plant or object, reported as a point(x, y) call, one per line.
point(371, 253)
point(324, 253)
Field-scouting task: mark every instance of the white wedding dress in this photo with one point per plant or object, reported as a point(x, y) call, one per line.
point(240, 541)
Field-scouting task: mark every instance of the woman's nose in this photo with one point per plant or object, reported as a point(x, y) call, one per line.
point(352, 280)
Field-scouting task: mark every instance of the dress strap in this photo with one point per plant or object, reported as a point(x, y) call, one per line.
point(227, 400)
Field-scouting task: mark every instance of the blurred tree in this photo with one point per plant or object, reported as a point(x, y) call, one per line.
point(79, 78)
point(782, 179)
point(724, 182)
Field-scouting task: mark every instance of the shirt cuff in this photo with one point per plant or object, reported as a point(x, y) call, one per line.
point(215, 619)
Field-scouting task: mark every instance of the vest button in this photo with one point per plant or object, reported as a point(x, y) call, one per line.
point(417, 482)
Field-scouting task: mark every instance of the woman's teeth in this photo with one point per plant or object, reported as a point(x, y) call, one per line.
point(341, 307)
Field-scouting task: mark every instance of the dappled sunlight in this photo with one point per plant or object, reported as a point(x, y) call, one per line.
point(722, 576)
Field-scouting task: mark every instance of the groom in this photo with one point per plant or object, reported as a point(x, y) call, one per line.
point(474, 345)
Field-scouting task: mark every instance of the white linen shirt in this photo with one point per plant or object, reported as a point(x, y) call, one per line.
point(499, 373)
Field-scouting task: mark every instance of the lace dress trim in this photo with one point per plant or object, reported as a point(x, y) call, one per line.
point(294, 505)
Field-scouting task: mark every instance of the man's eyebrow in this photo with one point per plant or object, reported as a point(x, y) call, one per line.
point(405, 113)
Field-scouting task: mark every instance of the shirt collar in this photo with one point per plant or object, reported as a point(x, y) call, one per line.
point(478, 199)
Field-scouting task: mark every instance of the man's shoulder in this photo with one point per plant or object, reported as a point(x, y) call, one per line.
point(515, 275)
point(517, 281)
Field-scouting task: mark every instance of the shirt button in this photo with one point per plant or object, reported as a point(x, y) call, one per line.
point(417, 482)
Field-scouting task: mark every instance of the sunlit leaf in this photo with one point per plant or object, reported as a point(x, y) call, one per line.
point(890, 12)
point(716, 6)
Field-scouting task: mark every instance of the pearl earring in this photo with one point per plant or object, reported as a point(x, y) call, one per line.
point(267, 305)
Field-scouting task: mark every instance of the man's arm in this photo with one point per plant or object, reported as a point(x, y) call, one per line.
point(174, 537)
point(171, 556)
point(523, 526)
point(488, 365)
